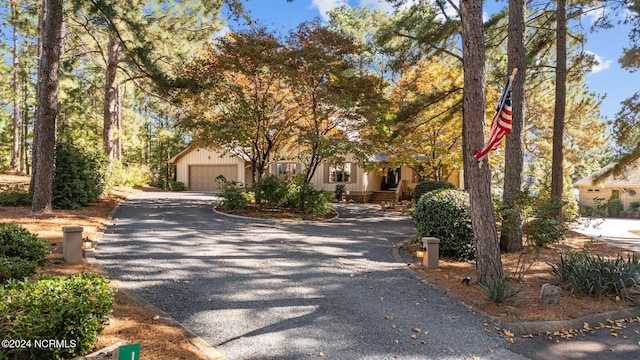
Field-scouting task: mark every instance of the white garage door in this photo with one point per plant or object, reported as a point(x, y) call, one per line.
point(203, 177)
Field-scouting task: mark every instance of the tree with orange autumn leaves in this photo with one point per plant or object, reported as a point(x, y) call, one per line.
point(241, 102)
point(424, 131)
point(333, 98)
point(265, 100)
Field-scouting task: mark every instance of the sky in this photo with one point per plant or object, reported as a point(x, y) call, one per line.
point(606, 45)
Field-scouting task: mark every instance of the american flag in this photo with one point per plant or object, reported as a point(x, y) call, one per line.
point(500, 124)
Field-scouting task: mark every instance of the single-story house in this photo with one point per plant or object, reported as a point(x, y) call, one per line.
point(197, 168)
point(625, 187)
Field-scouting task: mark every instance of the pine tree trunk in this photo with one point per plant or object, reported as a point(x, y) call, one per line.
point(110, 116)
point(511, 234)
point(15, 149)
point(24, 148)
point(47, 103)
point(488, 262)
point(560, 103)
point(118, 135)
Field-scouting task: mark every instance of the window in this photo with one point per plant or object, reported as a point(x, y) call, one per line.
point(286, 171)
point(340, 173)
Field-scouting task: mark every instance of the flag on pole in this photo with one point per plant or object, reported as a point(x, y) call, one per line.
point(500, 124)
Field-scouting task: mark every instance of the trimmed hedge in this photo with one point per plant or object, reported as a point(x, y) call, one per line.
point(426, 186)
point(71, 310)
point(446, 214)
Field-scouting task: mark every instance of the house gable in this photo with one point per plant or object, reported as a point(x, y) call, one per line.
point(198, 167)
point(624, 187)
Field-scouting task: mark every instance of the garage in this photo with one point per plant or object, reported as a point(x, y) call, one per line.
point(203, 177)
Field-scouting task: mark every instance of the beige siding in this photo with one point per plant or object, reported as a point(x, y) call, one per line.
point(361, 179)
point(456, 179)
point(408, 174)
point(588, 194)
point(203, 177)
point(200, 156)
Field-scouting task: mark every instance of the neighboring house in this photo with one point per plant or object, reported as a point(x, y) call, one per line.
point(624, 187)
point(197, 169)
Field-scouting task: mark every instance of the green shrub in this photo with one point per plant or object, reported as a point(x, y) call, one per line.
point(16, 241)
point(13, 195)
point(20, 252)
point(176, 185)
point(269, 191)
point(15, 268)
point(72, 308)
point(79, 175)
point(446, 214)
point(130, 175)
point(500, 291)
point(544, 231)
point(634, 206)
point(593, 275)
point(615, 207)
point(303, 197)
point(426, 186)
point(340, 191)
point(234, 197)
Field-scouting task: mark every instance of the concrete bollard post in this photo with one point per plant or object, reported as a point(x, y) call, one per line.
point(432, 253)
point(72, 244)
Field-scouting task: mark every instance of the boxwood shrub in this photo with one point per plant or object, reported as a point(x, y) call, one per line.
point(71, 309)
point(20, 252)
point(446, 214)
point(426, 186)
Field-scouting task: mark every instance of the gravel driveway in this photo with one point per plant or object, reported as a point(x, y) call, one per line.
point(257, 289)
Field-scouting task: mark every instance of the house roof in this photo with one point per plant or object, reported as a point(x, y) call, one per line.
point(174, 159)
point(182, 153)
point(631, 176)
point(386, 157)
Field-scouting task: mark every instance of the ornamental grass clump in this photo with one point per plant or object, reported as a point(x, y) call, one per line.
point(500, 291)
point(586, 274)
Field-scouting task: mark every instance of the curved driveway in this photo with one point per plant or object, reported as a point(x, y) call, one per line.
point(288, 290)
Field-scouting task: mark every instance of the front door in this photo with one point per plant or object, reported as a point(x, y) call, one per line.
point(391, 180)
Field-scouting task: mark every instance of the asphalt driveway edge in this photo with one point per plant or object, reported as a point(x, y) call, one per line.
point(518, 328)
point(200, 344)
